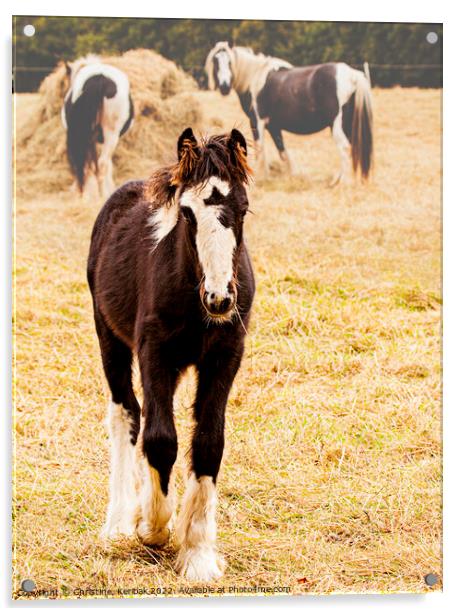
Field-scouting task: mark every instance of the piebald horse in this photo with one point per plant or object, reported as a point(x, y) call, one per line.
point(276, 97)
point(97, 109)
point(172, 283)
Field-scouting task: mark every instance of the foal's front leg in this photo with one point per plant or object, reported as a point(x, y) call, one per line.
point(157, 449)
point(196, 532)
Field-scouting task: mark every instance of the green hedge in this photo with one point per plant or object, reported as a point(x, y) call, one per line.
point(398, 53)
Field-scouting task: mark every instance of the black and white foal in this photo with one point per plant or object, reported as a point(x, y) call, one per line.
point(304, 100)
point(172, 282)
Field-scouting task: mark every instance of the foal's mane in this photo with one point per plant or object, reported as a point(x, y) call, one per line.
point(211, 156)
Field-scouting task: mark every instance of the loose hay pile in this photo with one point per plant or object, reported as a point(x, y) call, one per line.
point(164, 105)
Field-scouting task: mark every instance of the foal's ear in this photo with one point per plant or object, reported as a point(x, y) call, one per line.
point(68, 68)
point(238, 152)
point(187, 142)
point(237, 138)
point(188, 154)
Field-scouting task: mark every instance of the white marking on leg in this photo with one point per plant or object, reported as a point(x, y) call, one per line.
point(123, 503)
point(197, 559)
point(63, 112)
point(155, 520)
point(114, 113)
point(106, 182)
point(287, 160)
point(90, 191)
point(343, 146)
point(260, 153)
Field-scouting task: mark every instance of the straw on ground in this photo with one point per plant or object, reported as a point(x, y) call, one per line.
point(331, 474)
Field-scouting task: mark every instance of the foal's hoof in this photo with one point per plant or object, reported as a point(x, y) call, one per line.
point(199, 564)
point(152, 536)
point(112, 531)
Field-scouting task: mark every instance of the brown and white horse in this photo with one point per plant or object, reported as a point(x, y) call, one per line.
point(97, 109)
point(276, 97)
point(172, 283)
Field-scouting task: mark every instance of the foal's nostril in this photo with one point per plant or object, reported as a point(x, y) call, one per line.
point(218, 305)
point(225, 304)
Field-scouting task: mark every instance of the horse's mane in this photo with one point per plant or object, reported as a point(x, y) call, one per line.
point(249, 69)
point(242, 49)
point(212, 156)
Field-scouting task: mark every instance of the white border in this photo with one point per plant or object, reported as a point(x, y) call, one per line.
point(334, 10)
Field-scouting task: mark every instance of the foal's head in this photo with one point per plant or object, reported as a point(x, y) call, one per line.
point(219, 68)
point(209, 183)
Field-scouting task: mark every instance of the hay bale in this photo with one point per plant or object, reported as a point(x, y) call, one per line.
point(164, 102)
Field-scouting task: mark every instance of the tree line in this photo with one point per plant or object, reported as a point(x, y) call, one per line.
point(399, 53)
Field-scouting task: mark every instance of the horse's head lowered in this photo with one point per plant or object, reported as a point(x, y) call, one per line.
point(219, 68)
point(207, 186)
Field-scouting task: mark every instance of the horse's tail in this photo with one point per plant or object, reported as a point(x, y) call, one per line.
point(367, 73)
point(361, 128)
point(83, 118)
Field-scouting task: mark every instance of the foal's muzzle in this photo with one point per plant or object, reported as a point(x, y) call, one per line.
point(217, 305)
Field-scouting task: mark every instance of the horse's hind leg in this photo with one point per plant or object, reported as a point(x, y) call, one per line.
point(343, 145)
point(276, 135)
point(123, 425)
point(259, 132)
point(90, 190)
point(196, 532)
point(105, 167)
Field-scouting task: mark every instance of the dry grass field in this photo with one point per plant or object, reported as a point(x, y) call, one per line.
point(331, 478)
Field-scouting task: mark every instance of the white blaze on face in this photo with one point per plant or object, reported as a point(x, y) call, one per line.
point(224, 74)
point(215, 243)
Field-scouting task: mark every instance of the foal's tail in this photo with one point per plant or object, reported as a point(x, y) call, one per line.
point(83, 118)
point(361, 129)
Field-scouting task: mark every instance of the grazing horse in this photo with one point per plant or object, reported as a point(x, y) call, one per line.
point(97, 109)
point(303, 100)
point(172, 282)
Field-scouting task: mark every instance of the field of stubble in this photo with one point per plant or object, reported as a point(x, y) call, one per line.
point(331, 477)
